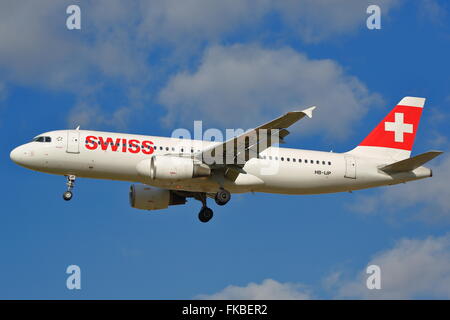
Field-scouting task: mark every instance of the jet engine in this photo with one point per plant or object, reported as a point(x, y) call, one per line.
point(172, 168)
point(152, 198)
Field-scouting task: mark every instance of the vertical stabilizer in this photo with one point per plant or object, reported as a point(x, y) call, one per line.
point(394, 136)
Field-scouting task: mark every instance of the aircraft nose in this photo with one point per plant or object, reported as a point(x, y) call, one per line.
point(14, 155)
point(25, 157)
point(18, 155)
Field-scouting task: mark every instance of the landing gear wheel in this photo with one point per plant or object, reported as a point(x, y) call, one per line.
point(205, 214)
point(222, 197)
point(70, 184)
point(67, 195)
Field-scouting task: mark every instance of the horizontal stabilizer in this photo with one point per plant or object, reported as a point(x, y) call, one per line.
point(411, 163)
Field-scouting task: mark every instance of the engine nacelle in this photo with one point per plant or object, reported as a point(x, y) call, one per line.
point(172, 168)
point(152, 198)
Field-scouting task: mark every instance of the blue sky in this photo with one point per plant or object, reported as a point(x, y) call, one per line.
point(153, 66)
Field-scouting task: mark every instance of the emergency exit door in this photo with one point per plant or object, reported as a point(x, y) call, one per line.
point(350, 167)
point(73, 141)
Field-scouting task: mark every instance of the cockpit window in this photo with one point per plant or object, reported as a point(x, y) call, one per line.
point(42, 139)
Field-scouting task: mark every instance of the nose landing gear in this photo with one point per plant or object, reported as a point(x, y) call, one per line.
point(67, 195)
point(70, 184)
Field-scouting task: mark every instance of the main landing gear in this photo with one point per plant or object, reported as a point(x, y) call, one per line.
point(70, 184)
point(221, 197)
point(205, 213)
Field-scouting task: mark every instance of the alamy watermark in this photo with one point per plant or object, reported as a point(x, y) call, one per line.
point(73, 21)
point(74, 279)
point(374, 279)
point(373, 22)
point(235, 147)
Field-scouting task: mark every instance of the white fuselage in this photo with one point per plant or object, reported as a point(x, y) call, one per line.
point(278, 170)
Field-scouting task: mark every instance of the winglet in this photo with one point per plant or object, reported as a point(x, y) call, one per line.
point(309, 111)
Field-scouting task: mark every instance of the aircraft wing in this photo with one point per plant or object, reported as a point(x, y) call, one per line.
point(234, 152)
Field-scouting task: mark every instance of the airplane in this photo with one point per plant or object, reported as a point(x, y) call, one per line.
point(167, 171)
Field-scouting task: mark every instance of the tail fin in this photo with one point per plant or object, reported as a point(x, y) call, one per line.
point(394, 136)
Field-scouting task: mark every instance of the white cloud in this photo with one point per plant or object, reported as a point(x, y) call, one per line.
point(263, 83)
point(427, 200)
point(268, 290)
point(316, 20)
point(117, 39)
point(38, 50)
point(86, 114)
point(174, 21)
point(196, 20)
point(412, 269)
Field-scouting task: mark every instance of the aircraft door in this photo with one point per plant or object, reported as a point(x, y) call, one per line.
point(73, 141)
point(350, 167)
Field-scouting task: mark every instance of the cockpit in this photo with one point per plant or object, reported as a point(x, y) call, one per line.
point(42, 139)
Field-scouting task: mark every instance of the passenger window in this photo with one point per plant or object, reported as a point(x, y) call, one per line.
point(167, 148)
point(293, 160)
point(270, 157)
point(323, 162)
point(329, 163)
point(282, 159)
point(317, 162)
point(48, 139)
point(287, 159)
point(160, 148)
point(299, 160)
